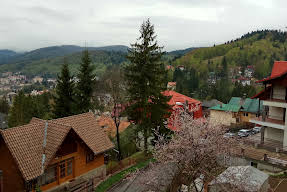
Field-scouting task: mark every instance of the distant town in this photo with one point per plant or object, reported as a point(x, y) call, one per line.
point(11, 83)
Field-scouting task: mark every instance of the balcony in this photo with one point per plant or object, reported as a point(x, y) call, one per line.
point(275, 103)
point(274, 123)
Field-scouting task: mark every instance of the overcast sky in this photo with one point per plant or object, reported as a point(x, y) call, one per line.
point(31, 24)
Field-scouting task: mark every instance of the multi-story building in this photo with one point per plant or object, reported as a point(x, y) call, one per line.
point(274, 96)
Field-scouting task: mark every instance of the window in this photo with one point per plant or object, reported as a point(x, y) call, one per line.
point(90, 157)
point(49, 176)
point(69, 167)
point(245, 114)
point(62, 169)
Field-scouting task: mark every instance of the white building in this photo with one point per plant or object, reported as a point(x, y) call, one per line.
point(273, 119)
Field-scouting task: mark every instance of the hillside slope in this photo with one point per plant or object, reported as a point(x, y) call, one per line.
point(259, 49)
point(51, 65)
point(55, 51)
point(6, 54)
point(48, 60)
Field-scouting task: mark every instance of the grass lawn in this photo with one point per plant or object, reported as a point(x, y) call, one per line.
point(105, 185)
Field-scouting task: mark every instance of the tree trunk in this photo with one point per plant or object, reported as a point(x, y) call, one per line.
point(118, 142)
point(145, 141)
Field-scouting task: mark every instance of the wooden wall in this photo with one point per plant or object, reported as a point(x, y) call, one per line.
point(12, 177)
point(80, 166)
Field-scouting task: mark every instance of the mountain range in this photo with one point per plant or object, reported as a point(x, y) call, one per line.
point(47, 61)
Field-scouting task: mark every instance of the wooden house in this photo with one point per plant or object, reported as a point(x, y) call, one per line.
point(52, 154)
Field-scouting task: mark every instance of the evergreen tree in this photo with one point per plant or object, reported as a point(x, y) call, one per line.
point(21, 110)
point(25, 107)
point(85, 84)
point(224, 73)
point(145, 78)
point(4, 106)
point(64, 100)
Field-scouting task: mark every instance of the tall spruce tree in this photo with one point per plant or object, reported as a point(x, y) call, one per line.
point(145, 79)
point(21, 111)
point(86, 80)
point(4, 106)
point(65, 95)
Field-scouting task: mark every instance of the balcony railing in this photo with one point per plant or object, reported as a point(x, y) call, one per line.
point(275, 123)
point(276, 100)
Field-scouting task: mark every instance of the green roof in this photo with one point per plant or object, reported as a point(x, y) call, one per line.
point(236, 103)
point(251, 105)
point(226, 107)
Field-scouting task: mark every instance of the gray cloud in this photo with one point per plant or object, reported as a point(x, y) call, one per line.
point(26, 25)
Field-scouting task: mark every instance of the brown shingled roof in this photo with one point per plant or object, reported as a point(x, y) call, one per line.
point(86, 126)
point(26, 142)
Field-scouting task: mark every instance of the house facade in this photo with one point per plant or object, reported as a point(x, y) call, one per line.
point(238, 110)
point(53, 154)
point(274, 96)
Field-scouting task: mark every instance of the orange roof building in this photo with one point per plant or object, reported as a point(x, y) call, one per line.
point(107, 123)
point(178, 101)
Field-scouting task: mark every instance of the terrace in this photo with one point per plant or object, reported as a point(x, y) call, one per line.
point(269, 122)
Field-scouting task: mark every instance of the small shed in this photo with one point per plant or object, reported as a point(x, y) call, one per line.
point(244, 178)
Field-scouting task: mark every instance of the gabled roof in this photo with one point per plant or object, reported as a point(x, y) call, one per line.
point(26, 142)
point(252, 105)
point(237, 104)
point(211, 103)
point(179, 98)
point(279, 69)
point(226, 107)
point(235, 101)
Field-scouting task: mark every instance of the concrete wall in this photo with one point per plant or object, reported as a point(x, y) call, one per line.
point(279, 92)
point(221, 117)
point(276, 113)
point(273, 133)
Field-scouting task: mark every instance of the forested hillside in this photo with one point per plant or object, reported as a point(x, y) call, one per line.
point(51, 65)
point(209, 72)
point(259, 49)
point(47, 61)
point(6, 55)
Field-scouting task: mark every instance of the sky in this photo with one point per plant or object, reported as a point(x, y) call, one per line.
point(30, 24)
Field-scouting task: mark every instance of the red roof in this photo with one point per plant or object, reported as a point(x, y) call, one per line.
point(177, 97)
point(171, 83)
point(279, 69)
